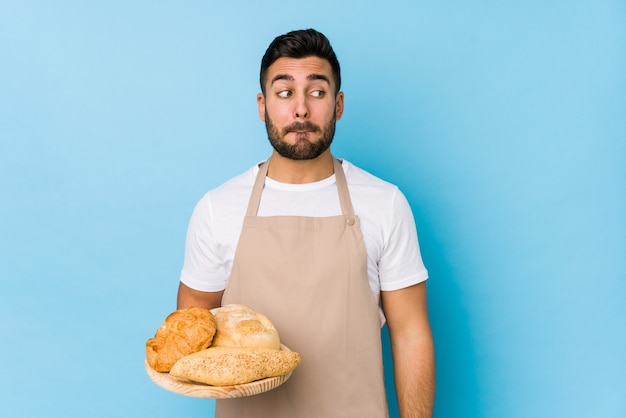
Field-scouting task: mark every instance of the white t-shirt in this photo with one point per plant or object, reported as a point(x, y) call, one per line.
point(387, 225)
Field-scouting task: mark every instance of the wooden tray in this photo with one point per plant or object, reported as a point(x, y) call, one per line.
point(201, 390)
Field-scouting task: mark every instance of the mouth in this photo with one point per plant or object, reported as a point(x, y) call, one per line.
point(302, 128)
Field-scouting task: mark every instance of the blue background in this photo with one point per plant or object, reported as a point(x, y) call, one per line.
point(503, 122)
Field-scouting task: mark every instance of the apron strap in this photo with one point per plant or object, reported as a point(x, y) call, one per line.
point(342, 188)
point(340, 179)
point(255, 197)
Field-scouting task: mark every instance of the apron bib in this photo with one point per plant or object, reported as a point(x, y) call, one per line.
point(308, 275)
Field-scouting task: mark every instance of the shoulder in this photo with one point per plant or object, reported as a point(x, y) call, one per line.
point(230, 196)
point(375, 199)
point(234, 186)
point(364, 182)
point(357, 175)
point(243, 181)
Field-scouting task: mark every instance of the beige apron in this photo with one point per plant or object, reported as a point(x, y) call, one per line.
point(309, 277)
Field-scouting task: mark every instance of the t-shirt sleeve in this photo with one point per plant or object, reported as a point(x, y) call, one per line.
point(401, 262)
point(203, 268)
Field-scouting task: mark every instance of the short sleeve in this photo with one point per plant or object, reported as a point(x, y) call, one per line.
point(400, 264)
point(203, 268)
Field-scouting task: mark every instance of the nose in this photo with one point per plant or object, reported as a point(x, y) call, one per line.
point(301, 110)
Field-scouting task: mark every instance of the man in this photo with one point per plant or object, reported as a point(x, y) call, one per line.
point(325, 250)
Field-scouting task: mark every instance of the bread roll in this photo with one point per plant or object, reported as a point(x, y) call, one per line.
point(240, 326)
point(183, 332)
point(225, 366)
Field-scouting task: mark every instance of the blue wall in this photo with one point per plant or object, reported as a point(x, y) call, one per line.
point(503, 122)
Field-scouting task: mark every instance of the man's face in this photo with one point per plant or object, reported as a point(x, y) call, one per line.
point(300, 107)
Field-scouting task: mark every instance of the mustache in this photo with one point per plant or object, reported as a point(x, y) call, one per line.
point(301, 126)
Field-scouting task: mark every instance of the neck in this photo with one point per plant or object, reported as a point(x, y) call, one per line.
point(286, 170)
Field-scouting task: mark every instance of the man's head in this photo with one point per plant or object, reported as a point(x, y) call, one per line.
point(300, 44)
point(300, 100)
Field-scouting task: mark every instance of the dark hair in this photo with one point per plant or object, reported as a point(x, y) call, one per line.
point(300, 44)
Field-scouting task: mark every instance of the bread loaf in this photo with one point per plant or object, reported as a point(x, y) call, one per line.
point(183, 332)
point(225, 366)
point(240, 326)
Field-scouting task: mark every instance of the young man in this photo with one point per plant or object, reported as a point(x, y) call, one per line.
point(325, 250)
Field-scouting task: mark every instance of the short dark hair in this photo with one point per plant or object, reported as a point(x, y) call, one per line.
point(300, 44)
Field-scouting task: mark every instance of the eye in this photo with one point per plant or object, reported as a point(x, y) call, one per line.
point(318, 93)
point(284, 93)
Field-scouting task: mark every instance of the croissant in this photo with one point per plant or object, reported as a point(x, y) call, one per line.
point(183, 332)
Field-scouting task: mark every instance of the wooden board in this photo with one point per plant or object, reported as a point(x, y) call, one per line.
point(200, 390)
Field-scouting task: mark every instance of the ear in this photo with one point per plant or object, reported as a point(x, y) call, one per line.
point(260, 101)
point(339, 105)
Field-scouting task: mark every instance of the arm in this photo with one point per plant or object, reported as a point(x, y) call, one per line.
point(188, 297)
point(412, 350)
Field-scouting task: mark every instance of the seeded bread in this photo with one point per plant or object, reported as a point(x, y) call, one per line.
point(225, 366)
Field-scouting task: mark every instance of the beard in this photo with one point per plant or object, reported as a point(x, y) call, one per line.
point(303, 148)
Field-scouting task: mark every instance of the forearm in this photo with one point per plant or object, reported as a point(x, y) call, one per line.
point(412, 350)
point(414, 370)
point(188, 297)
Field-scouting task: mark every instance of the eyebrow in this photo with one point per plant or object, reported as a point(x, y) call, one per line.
point(310, 77)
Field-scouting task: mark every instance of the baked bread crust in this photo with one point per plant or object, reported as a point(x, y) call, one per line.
point(240, 326)
point(184, 331)
point(225, 366)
